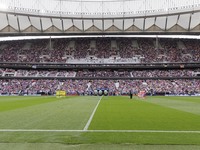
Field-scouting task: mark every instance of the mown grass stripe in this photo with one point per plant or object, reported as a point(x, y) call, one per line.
point(92, 115)
point(170, 102)
point(122, 113)
point(8, 104)
point(61, 113)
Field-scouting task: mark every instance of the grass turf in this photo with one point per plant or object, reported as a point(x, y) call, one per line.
point(113, 113)
point(121, 113)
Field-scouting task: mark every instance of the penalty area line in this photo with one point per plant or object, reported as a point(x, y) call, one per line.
point(100, 131)
point(91, 116)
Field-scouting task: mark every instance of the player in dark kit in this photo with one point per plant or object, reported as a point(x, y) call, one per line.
point(131, 94)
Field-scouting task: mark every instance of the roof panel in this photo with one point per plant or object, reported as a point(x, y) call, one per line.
point(53, 5)
point(67, 23)
point(101, 7)
point(78, 23)
point(172, 20)
point(57, 23)
point(4, 21)
point(35, 21)
point(149, 22)
point(160, 22)
point(184, 21)
point(108, 6)
point(195, 20)
point(139, 23)
point(12, 19)
point(107, 24)
point(128, 23)
point(87, 24)
point(24, 22)
point(46, 23)
point(118, 23)
point(98, 24)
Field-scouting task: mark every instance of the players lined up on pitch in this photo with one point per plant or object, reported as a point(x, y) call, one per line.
point(140, 94)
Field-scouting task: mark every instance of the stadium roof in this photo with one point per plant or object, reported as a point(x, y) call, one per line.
point(69, 17)
point(13, 38)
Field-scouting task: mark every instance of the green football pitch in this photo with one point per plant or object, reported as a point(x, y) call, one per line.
point(93, 122)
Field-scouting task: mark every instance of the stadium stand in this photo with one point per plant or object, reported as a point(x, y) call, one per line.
point(100, 73)
point(83, 50)
point(46, 65)
point(82, 87)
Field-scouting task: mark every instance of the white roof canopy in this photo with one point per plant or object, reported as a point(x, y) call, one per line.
point(99, 17)
point(99, 8)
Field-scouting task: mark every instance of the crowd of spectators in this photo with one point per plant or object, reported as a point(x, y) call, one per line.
point(100, 73)
point(83, 87)
point(36, 73)
point(165, 73)
point(103, 73)
point(81, 48)
point(57, 50)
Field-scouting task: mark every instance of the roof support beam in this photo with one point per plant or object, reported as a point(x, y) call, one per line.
point(51, 21)
point(102, 25)
point(73, 22)
point(177, 19)
point(7, 19)
point(8, 22)
point(144, 24)
point(62, 25)
point(190, 20)
point(18, 24)
point(123, 25)
point(83, 29)
point(155, 20)
point(166, 21)
point(29, 20)
point(41, 24)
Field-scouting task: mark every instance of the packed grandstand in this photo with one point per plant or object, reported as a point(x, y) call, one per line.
point(87, 50)
point(80, 66)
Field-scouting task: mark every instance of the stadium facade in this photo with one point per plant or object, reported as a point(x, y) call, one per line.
point(81, 65)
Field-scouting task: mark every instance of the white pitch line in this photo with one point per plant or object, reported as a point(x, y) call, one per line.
point(100, 131)
point(37, 130)
point(92, 115)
